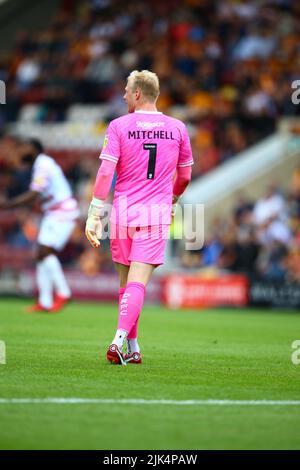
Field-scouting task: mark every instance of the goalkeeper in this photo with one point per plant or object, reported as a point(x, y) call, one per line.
point(146, 148)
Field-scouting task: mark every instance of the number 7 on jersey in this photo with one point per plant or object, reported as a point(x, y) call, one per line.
point(152, 159)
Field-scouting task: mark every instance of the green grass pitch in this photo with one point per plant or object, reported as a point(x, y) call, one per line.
point(188, 355)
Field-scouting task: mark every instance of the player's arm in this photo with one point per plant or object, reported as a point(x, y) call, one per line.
point(184, 168)
point(183, 178)
point(109, 155)
point(93, 228)
point(24, 199)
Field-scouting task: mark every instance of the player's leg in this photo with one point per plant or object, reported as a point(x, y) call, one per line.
point(44, 282)
point(138, 278)
point(62, 291)
point(130, 306)
point(52, 237)
point(132, 343)
point(61, 233)
point(143, 254)
point(147, 252)
point(120, 244)
point(137, 273)
point(140, 272)
point(122, 270)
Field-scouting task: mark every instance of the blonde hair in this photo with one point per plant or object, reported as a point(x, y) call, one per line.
point(147, 82)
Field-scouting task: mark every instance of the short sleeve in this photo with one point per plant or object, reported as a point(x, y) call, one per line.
point(111, 145)
point(40, 179)
point(185, 151)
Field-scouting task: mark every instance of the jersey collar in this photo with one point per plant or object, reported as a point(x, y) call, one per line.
point(140, 111)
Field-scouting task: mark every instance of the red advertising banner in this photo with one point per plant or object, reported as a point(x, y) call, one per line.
point(181, 291)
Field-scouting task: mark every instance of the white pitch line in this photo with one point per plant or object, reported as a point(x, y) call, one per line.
point(138, 401)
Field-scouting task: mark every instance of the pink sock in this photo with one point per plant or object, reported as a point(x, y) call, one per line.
point(121, 292)
point(131, 305)
point(134, 330)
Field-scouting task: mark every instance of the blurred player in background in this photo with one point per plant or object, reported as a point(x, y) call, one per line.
point(146, 148)
point(60, 211)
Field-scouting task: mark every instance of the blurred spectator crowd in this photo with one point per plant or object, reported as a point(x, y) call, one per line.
point(226, 67)
point(261, 238)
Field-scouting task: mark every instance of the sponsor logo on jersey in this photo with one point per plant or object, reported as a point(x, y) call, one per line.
point(149, 125)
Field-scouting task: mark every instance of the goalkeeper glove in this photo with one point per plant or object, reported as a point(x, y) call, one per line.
point(93, 226)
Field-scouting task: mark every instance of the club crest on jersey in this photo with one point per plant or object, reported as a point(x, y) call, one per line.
point(105, 141)
point(39, 180)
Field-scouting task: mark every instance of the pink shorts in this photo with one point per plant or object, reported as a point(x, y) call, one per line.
point(143, 244)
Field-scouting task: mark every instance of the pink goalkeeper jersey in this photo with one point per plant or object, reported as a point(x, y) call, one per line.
point(147, 148)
